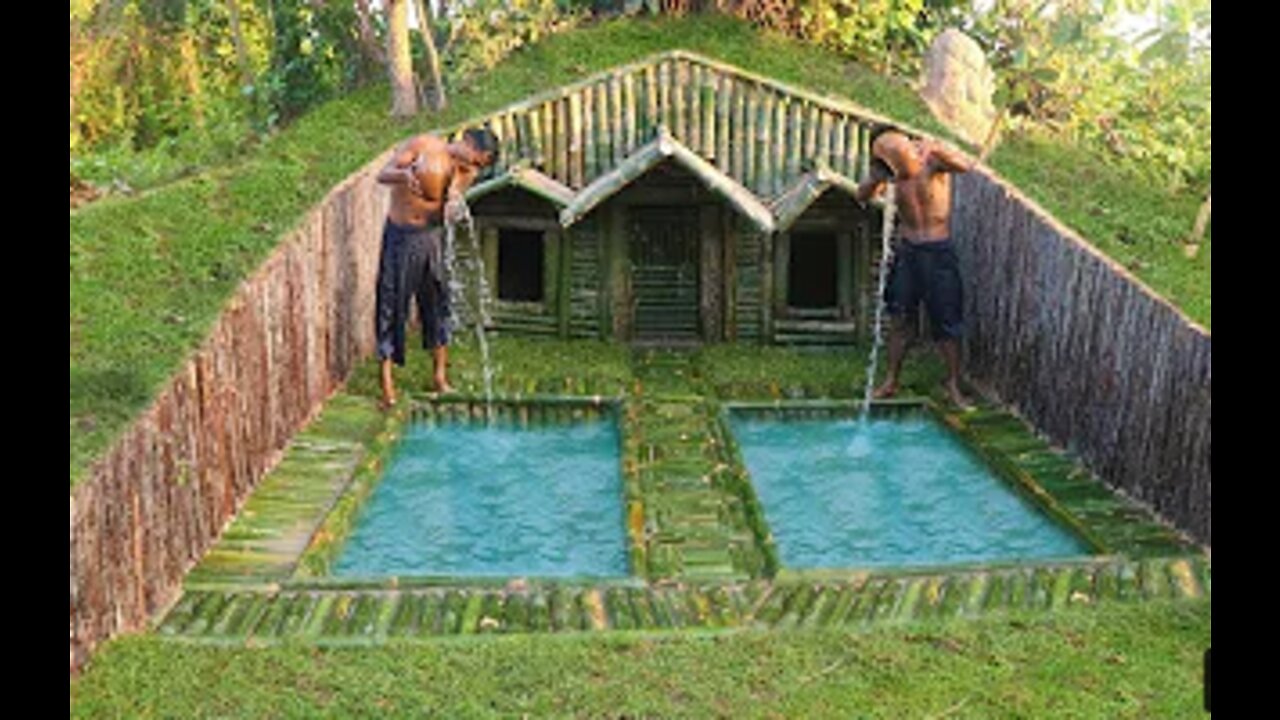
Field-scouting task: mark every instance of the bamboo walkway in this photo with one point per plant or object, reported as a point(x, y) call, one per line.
point(699, 516)
point(371, 617)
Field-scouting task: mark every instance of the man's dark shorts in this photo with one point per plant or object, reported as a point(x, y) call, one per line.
point(928, 272)
point(411, 265)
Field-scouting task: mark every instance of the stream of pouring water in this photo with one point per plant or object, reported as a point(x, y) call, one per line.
point(886, 256)
point(861, 445)
point(457, 291)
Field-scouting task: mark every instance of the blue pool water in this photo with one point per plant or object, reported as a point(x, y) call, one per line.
point(473, 501)
point(897, 492)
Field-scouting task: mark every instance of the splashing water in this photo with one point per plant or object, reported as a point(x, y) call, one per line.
point(457, 292)
point(861, 445)
point(886, 257)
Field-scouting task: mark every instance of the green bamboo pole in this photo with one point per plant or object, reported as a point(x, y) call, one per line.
point(577, 170)
point(604, 147)
point(630, 108)
point(651, 99)
point(679, 85)
point(811, 134)
point(537, 138)
point(564, 140)
point(591, 162)
point(692, 82)
point(864, 152)
point(709, 114)
point(666, 79)
point(840, 161)
point(752, 140)
point(781, 167)
point(724, 109)
point(740, 136)
point(824, 137)
point(796, 150)
point(768, 137)
point(512, 132)
point(618, 140)
point(551, 135)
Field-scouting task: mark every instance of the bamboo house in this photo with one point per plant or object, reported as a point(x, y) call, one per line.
point(679, 200)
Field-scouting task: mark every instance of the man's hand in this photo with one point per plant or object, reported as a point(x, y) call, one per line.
point(944, 158)
point(413, 172)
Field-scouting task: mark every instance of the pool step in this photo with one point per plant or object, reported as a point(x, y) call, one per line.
point(357, 617)
point(268, 536)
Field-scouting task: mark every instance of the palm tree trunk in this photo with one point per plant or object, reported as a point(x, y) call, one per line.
point(404, 99)
point(434, 94)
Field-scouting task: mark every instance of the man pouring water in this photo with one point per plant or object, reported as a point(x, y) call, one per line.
point(428, 178)
point(925, 266)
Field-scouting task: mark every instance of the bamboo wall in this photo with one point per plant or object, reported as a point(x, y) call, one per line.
point(1087, 353)
point(164, 492)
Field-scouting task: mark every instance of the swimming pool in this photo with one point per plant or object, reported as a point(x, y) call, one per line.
point(901, 491)
point(466, 499)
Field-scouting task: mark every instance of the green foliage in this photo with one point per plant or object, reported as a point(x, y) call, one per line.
point(148, 72)
point(316, 55)
point(889, 35)
point(482, 33)
point(1145, 105)
point(1113, 661)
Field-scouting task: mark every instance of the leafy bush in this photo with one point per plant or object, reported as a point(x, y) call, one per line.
point(482, 33)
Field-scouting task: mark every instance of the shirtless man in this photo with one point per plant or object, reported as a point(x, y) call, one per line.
point(428, 178)
point(925, 267)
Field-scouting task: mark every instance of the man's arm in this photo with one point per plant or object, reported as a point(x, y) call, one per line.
point(871, 187)
point(940, 157)
point(402, 168)
point(462, 180)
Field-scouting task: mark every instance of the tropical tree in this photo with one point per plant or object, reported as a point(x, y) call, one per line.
point(404, 96)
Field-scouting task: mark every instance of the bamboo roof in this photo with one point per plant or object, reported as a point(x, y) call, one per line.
point(767, 148)
point(525, 178)
point(662, 148)
point(788, 207)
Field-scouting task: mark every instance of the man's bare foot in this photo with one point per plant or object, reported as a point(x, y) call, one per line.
point(886, 391)
point(442, 386)
point(388, 403)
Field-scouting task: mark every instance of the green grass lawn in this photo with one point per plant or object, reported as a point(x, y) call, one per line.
point(1112, 661)
point(150, 274)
